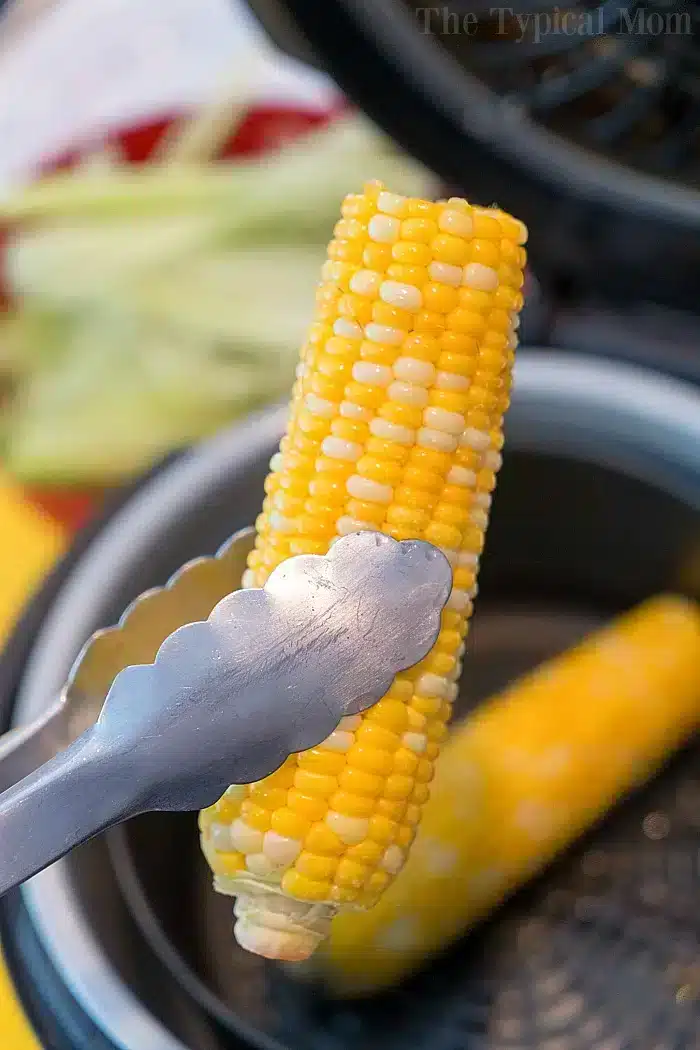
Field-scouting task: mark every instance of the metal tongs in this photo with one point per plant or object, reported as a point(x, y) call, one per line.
point(202, 685)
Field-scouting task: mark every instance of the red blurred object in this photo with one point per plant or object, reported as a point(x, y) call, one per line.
point(72, 509)
point(265, 128)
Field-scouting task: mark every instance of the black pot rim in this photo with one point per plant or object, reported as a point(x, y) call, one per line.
point(429, 102)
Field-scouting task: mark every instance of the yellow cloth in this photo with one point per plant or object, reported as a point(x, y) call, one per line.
point(29, 545)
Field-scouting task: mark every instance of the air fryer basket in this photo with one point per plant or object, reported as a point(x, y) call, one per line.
point(589, 136)
point(598, 506)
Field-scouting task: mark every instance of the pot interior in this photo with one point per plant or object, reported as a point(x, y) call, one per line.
point(570, 544)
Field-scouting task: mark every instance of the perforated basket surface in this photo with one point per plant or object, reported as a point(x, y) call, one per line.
point(602, 954)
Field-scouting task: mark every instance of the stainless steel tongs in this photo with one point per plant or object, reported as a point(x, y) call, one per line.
point(202, 685)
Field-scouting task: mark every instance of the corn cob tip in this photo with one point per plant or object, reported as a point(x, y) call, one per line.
point(278, 927)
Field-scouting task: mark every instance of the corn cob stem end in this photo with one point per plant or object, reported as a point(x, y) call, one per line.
point(271, 924)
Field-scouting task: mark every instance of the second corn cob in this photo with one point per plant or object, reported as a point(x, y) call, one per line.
point(395, 425)
point(523, 776)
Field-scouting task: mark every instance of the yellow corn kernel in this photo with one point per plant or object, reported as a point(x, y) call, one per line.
point(521, 778)
point(382, 829)
point(316, 866)
point(226, 863)
point(300, 887)
point(310, 806)
point(322, 839)
point(411, 253)
point(352, 805)
point(401, 399)
point(390, 808)
point(367, 852)
point(288, 823)
point(315, 784)
point(370, 760)
point(320, 760)
point(351, 873)
point(358, 782)
point(256, 816)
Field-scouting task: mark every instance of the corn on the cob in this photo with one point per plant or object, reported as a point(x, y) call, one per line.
point(528, 772)
point(395, 425)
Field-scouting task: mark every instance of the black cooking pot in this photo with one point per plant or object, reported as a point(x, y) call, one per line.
point(124, 944)
point(604, 222)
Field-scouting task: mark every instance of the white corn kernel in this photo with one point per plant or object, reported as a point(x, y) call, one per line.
point(220, 835)
point(339, 448)
point(391, 203)
point(441, 419)
point(512, 341)
point(301, 370)
point(416, 742)
point(493, 460)
point(339, 740)
point(483, 278)
point(350, 830)
point(452, 692)
point(349, 410)
point(405, 296)
point(236, 792)
point(451, 381)
point(461, 476)
point(427, 437)
point(248, 580)
point(479, 440)
point(347, 329)
point(365, 282)
point(456, 222)
point(372, 375)
point(244, 838)
point(483, 500)
point(259, 864)
point(430, 684)
point(383, 229)
point(350, 723)
point(280, 523)
point(453, 675)
point(408, 394)
point(451, 555)
point(280, 849)
point(386, 431)
point(385, 334)
point(467, 559)
point(277, 462)
point(346, 525)
point(459, 600)
point(393, 860)
point(413, 370)
point(368, 490)
point(446, 273)
point(318, 406)
point(479, 518)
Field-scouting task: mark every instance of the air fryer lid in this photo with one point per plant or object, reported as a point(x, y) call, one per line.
point(581, 120)
point(609, 445)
